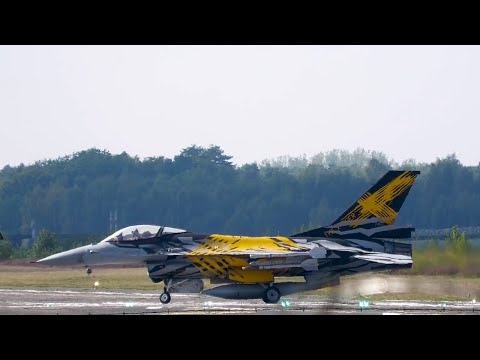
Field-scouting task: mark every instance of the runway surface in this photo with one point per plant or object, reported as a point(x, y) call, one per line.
point(51, 301)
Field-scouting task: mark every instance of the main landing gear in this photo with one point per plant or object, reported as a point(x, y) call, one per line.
point(271, 295)
point(165, 297)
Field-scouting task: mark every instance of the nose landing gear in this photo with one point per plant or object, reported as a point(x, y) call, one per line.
point(165, 297)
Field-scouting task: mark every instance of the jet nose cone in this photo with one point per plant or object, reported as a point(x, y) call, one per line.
point(69, 257)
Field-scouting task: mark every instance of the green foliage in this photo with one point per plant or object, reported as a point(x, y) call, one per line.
point(21, 252)
point(81, 240)
point(451, 256)
point(455, 241)
point(201, 190)
point(442, 261)
point(5, 249)
point(45, 245)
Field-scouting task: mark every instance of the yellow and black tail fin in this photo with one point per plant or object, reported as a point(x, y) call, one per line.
point(376, 207)
point(382, 201)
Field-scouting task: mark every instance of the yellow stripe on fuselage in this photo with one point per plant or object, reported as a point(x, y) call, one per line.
point(212, 258)
point(217, 244)
point(217, 266)
point(229, 267)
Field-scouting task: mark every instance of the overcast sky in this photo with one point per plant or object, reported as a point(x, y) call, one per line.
point(255, 102)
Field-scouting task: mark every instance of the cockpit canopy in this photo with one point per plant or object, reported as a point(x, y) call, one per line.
point(137, 232)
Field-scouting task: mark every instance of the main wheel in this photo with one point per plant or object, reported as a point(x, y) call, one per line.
point(165, 298)
point(271, 295)
point(89, 271)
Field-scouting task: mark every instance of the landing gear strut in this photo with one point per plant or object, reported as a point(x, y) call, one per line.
point(271, 295)
point(165, 297)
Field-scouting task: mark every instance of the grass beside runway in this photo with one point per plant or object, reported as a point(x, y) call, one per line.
point(107, 278)
point(373, 286)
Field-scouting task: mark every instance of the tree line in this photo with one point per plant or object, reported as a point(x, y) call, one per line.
point(200, 189)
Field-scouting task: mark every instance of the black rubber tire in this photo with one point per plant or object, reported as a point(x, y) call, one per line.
point(271, 295)
point(165, 298)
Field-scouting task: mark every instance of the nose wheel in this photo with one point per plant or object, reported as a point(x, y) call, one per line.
point(165, 297)
point(89, 271)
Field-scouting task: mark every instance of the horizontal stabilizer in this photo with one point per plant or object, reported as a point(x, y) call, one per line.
point(318, 253)
point(333, 246)
point(383, 258)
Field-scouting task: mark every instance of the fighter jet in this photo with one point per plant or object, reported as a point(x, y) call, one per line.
point(362, 239)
